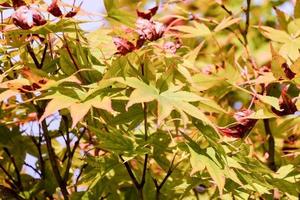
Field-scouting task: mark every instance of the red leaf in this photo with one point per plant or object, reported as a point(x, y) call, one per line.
point(149, 30)
point(243, 127)
point(38, 18)
point(286, 104)
point(288, 72)
point(148, 14)
point(23, 18)
point(5, 4)
point(18, 3)
point(71, 14)
point(26, 17)
point(54, 9)
point(123, 45)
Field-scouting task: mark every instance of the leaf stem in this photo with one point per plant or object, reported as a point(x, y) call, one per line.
point(247, 12)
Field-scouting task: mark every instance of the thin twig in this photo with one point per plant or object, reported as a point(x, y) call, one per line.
point(33, 168)
point(132, 176)
point(53, 162)
point(247, 12)
point(72, 58)
point(169, 172)
point(226, 10)
point(14, 183)
point(33, 56)
point(44, 56)
point(71, 155)
point(17, 171)
point(146, 155)
point(78, 177)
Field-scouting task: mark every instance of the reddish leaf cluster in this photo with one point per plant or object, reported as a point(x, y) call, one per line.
point(146, 28)
point(243, 126)
point(55, 10)
point(26, 17)
point(287, 106)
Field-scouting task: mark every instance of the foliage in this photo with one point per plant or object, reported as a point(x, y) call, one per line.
point(171, 100)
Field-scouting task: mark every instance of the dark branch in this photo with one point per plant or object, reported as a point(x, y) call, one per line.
point(71, 155)
point(33, 168)
point(247, 12)
point(17, 171)
point(169, 172)
point(53, 162)
point(132, 176)
point(44, 56)
point(14, 183)
point(33, 56)
point(78, 177)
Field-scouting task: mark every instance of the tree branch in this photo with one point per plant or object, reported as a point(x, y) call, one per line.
point(146, 155)
point(7, 193)
point(78, 177)
point(33, 56)
point(132, 176)
point(53, 162)
point(71, 155)
point(44, 56)
point(17, 171)
point(169, 172)
point(72, 58)
point(247, 12)
point(40, 155)
point(33, 168)
point(14, 183)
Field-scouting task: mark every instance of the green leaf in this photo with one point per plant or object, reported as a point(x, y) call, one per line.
point(274, 34)
point(283, 171)
point(282, 18)
point(226, 22)
point(276, 63)
point(272, 101)
point(199, 162)
point(115, 141)
point(198, 30)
